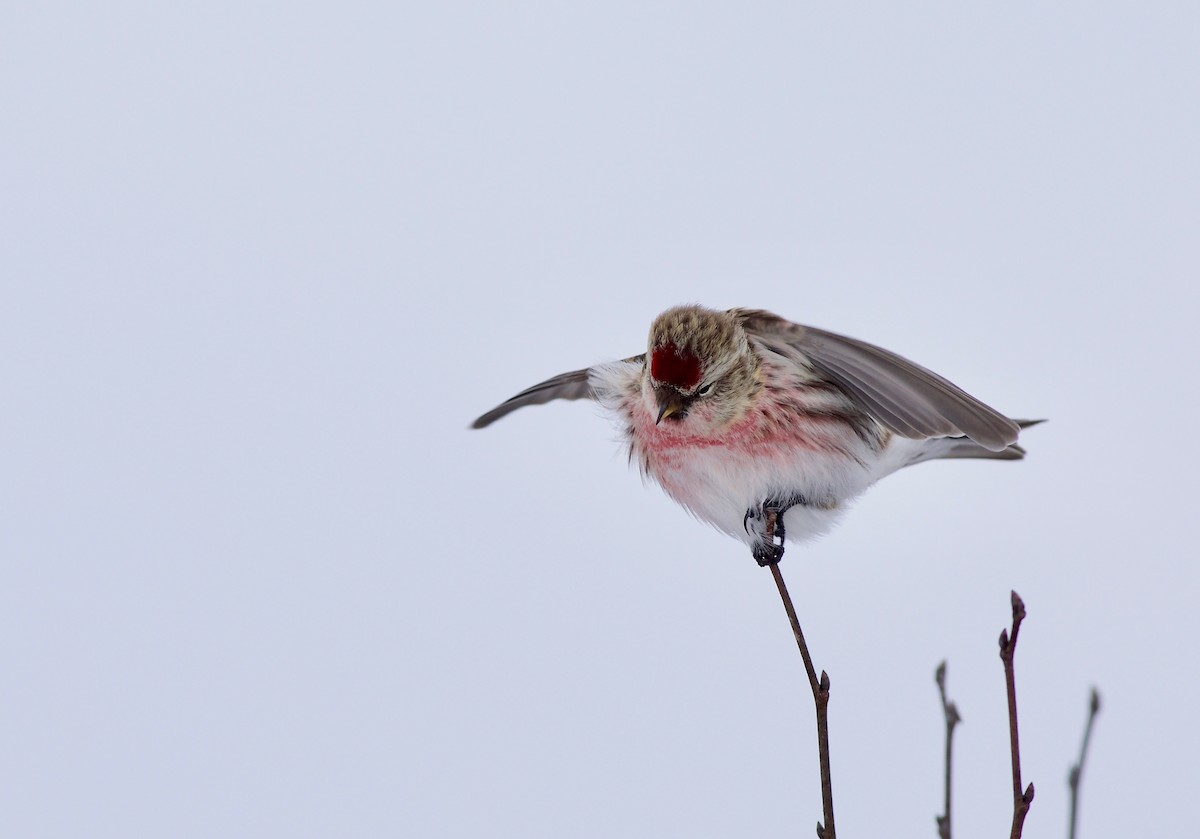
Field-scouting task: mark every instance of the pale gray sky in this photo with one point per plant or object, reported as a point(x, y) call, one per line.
point(264, 262)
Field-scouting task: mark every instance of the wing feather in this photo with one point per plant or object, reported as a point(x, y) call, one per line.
point(573, 385)
point(907, 398)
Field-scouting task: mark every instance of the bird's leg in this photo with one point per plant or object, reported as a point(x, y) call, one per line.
point(770, 553)
point(770, 513)
point(776, 515)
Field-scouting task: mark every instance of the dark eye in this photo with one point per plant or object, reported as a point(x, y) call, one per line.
point(706, 390)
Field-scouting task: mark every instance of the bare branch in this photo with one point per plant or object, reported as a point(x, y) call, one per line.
point(820, 691)
point(1008, 646)
point(950, 711)
point(1077, 769)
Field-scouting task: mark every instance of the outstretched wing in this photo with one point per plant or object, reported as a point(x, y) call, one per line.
point(908, 399)
point(573, 385)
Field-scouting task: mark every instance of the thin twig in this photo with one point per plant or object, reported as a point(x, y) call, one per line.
point(1077, 769)
point(820, 691)
point(950, 711)
point(1008, 646)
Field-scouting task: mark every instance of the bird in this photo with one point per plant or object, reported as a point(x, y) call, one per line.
point(766, 428)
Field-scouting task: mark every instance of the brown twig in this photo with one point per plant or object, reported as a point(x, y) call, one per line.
point(950, 711)
point(820, 691)
point(1008, 646)
point(1077, 769)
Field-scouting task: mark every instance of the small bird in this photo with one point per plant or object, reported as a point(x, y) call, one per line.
point(763, 427)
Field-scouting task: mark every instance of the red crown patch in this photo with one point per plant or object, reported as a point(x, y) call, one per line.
point(669, 365)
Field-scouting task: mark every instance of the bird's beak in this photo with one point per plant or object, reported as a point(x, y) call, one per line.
point(670, 402)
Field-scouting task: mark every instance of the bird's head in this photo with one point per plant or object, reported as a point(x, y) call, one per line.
point(699, 364)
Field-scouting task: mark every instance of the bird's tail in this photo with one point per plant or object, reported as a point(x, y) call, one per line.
point(963, 447)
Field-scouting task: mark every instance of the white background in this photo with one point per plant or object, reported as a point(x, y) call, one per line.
point(264, 262)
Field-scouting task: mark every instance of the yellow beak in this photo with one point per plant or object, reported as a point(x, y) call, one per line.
point(670, 401)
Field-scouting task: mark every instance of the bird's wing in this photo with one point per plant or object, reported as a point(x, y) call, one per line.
point(908, 399)
point(573, 385)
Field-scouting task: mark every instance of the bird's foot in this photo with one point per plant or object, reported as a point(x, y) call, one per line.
point(767, 554)
point(767, 521)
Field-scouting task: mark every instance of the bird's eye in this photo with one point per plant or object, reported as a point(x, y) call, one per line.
point(706, 390)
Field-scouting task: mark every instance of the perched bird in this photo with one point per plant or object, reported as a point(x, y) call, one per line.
point(763, 427)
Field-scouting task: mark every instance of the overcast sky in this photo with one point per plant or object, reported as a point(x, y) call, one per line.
point(264, 262)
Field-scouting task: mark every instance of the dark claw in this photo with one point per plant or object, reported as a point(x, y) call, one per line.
point(752, 513)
